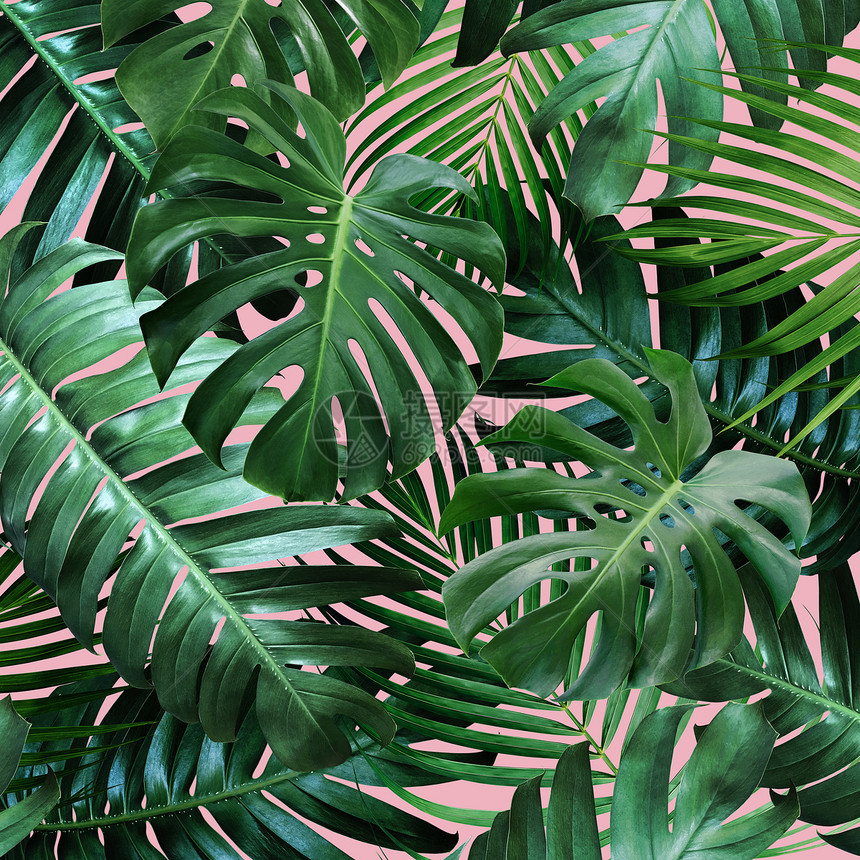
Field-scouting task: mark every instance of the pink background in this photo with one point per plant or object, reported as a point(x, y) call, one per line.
point(465, 794)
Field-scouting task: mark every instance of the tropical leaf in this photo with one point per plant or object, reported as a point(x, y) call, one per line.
point(358, 246)
point(811, 233)
point(464, 701)
point(821, 758)
point(17, 822)
point(605, 307)
point(90, 169)
point(484, 23)
point(207, 654)
point(722, 773)
point(155, 771)
point(235, 37)
point(488, 106)
point(101, 141)
point(663, 510)
point(677, 43)
point(676, 46)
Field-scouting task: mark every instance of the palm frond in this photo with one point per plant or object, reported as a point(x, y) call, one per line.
point(598, 300)
point(138, 767)
point(112, 465)
point(489, 106)
point(819, 242)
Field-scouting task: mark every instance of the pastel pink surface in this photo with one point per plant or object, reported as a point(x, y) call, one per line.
point(466, 794)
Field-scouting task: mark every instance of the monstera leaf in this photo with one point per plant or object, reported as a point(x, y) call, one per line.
point(235, 37)
point(661, 515)
point(17, 822)
point(604, 305)
point(357, 247)
point(817, 712)
point(723, 771)
point(677, 43)
point(673, 42)
point(107, 467)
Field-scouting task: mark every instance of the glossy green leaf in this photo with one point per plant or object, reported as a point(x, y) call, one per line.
point(710, 790)
point(821, 714)
point(676, 46)
point(358, 247)
point(103, 455)
point(17, 821)
point(484, 23)
point(235, 37)
point(723, 771)
point(663, 510)
point(676, 42)
point(102, 139)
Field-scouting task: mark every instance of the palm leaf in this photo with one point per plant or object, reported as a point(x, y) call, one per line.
point(17, 822)
point(658, 507)
point(140, 775)
point(801, 247)
point(102, 139)
point(676, 48)
point(605, 308)
point(240, 33)
point(711, 789)
point(488, 106)
point(821, 758)
point(206, 654)
point(358, 246)
point(92, 182)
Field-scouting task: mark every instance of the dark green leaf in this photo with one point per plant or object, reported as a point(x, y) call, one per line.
point(97, 434)
point(242, 42)
point(360, 246)
point(662, 513)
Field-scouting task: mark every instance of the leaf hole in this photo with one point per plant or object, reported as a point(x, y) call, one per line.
point(654, 470)
point(238, 81)
point(309, 278)
point(647, 544)
point(638, 489)
point(687, 507)
point(315, 238)
point(199, 50)
point(318, 210)
point(649, 576)
point(364, 247)
point(667, 521)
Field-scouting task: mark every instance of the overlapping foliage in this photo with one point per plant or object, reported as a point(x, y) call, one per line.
point(450, 216)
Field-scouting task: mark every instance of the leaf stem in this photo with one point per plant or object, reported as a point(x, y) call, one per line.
point(580, 727)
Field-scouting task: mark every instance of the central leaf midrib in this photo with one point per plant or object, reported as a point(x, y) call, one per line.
point(635, 533)
point(788, 686)
point(36, 46)
point(174, 808)
point(338, 253)
point(215, 55)
point(200, 577)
